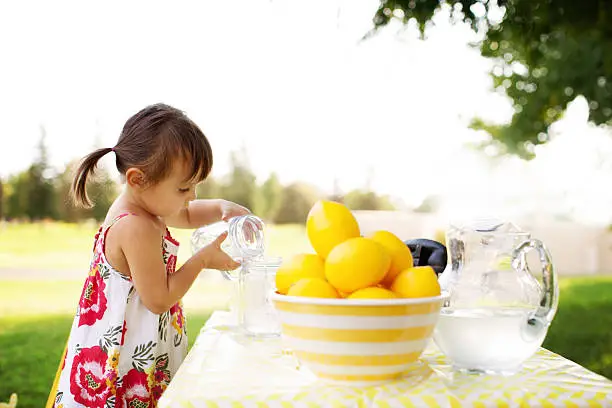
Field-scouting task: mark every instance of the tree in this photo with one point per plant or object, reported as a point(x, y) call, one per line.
point(430, 204)
point(17, 195)
point(296, 201)
point(336, 194)
point(546, 53)
point(101, 189)
point(41, 194)
point(366, 200)
point(209, 188)
point(64, 205)
point(241, 186)
point(271, 194)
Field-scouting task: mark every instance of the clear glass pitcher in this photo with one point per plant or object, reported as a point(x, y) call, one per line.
point(497, 313)
point(254, 281)
point(245, 239)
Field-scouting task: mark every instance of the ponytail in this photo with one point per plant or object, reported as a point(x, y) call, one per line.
point(87, 167)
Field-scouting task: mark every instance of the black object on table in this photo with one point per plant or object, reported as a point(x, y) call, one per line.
point(427, 252)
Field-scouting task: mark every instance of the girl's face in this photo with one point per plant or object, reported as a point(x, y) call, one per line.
point(168, 196)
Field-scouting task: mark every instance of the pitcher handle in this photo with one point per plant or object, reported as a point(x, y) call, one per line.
point(550, 296)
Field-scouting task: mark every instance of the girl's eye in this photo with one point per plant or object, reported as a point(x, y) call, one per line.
point(184, 190)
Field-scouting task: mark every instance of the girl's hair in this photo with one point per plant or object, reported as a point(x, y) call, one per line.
point(151, 140)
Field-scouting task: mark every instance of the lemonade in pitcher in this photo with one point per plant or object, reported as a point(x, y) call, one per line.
point(497, 313)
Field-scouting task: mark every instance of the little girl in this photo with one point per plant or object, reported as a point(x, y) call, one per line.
point(128, 337)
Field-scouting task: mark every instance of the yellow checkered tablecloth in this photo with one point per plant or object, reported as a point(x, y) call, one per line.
point(226, 369)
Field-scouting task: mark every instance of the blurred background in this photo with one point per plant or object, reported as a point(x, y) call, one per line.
point(413, 113)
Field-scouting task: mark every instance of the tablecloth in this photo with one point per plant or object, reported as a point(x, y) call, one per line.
point(226, 368)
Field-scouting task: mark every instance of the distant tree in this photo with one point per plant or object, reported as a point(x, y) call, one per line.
point(429, 205)
point(296, 201)
point(101, 189)
point(241, 186)
point(336, 194)
point(209, 188)
point(366, 200)
point(545, 52)
point(41, 194)
point(271, 193)
point(17, 195)
point(64, 205)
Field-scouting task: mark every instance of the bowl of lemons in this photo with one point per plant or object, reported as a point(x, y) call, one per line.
point(357, 311)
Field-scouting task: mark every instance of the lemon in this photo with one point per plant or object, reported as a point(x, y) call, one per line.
point(503, 263)
point(313, 287)
point(372, 293)
point(329, 224)
point(401, 257)
point(356, 263)
point(416, 282)
point(297, 267)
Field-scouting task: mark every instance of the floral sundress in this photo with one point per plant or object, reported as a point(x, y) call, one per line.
point(120, 354)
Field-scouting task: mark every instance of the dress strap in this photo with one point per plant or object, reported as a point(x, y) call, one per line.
point(104, 229)
point(117, 218)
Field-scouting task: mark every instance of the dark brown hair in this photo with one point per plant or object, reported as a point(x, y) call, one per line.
point(151, 141)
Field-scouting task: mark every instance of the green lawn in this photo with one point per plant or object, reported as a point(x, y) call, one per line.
point(35, 315)
point(35, 319)
point(31, 348)
point(32, 336)
point(60, 246)
point(582, 329)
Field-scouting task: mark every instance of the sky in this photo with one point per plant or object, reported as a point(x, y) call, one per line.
point(292, 82)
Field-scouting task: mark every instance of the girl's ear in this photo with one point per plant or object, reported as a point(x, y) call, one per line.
point(135, 178)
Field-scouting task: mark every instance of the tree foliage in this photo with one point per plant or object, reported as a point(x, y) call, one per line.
point(241, 185)
point(271, 194)
point(39, 188)
point(366, 200)
point(546, 53)
point(295, 202)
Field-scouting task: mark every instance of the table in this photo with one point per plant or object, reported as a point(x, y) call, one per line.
point(228, 369)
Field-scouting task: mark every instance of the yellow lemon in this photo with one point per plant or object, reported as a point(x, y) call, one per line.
point(297, 267)
point(416, 282)
point(372, 293)
point(401, 257)
point(356, 263)
point(329, 224)
point(313, 287)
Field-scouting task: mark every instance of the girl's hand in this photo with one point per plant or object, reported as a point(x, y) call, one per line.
point(212, 256)
point(231, 210)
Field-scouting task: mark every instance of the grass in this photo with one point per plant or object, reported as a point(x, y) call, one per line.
point(32, 336)
point(582, 327)
point(35, 315)
point(45, 246)
point(35, 319)
point(31, 348)
point(55, 246)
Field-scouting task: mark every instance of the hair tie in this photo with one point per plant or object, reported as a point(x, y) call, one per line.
point(112, 149)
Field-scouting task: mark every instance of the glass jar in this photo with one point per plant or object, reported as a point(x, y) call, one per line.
point(257, 283)
point(245, 239)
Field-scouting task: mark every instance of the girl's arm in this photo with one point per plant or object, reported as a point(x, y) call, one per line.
point(203, 212)
point(141, 241)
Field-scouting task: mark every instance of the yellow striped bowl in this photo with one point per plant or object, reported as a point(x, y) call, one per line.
point(359, 342)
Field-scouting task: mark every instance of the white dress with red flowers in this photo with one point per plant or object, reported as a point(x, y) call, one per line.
point(119, 353)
